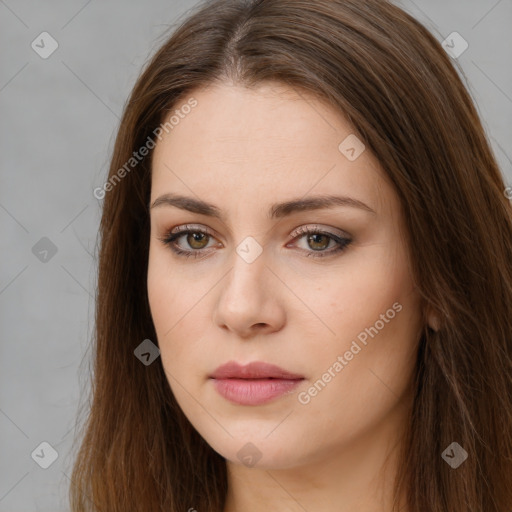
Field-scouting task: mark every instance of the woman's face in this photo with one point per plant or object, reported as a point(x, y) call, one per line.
point(336, 306)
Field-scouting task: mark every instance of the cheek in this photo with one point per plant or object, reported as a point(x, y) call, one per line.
point(175, 309)
point(161, 298)
point(167, 307)
point(378, 354)
point(180, 338)
point(169, 294)
point(374, 305)
point(366, 289)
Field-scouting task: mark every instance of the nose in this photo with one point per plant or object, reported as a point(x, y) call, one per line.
point(250, 299)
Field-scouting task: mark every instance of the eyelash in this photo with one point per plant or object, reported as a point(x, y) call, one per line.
point(170, 238)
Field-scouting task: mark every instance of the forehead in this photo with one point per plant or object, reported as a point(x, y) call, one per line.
point(271, 142)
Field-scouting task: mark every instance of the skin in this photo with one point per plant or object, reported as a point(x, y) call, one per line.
point(244, 150)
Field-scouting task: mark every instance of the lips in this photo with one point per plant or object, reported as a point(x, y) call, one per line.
point(254, 384)
point(255, 370)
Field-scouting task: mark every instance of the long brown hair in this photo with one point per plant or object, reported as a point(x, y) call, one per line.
point(402, 93)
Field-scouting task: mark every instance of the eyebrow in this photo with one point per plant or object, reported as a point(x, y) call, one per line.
point(276, 211)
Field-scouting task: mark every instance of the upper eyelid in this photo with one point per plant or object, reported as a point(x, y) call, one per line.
point(336, 232)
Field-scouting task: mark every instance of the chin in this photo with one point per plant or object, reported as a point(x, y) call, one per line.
point(259, 453)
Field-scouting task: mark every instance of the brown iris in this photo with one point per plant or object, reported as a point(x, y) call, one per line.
point(315, 238)
point(195, 239)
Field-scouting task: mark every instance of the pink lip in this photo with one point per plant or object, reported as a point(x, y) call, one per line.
point(253, 384)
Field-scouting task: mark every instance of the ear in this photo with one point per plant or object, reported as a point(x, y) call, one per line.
point(433, 319)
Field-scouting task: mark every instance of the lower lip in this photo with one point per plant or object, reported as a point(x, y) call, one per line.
point(254, 391)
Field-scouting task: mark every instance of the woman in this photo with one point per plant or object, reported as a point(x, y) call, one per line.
point(304, 219)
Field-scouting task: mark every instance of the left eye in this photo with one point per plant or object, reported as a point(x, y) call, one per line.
point(319, 240)
point(316, 239)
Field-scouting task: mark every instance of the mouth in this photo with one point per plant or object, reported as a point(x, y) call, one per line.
point(254, 370)
point(254, 384)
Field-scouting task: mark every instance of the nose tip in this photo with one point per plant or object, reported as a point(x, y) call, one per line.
point(247, 304)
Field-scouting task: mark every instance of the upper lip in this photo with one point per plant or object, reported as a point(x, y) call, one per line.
point(254, 370)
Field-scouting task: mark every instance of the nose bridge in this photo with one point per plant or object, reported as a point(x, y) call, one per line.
point(247, 275)
point(247, 302)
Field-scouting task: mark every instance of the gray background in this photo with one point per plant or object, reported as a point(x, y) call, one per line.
point(58, 121)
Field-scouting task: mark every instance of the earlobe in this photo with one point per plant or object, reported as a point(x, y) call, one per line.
point(433, 319)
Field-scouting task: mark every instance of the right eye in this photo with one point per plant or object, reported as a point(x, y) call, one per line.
point(194, 237)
